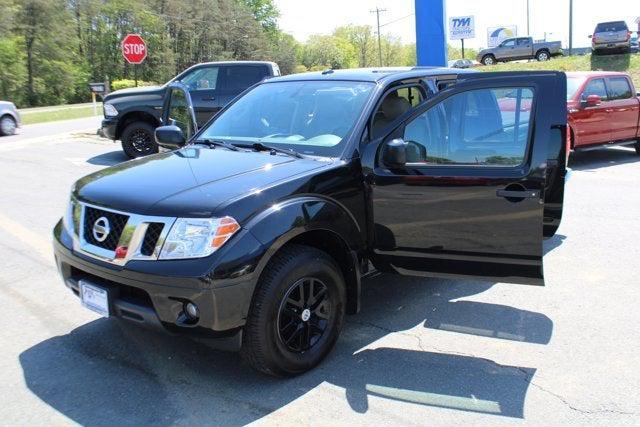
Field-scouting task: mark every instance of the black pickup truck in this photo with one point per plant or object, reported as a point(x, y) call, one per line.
point(131, 115)
point(258, 228)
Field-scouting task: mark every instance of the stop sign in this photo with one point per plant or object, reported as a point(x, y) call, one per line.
point(134, 49)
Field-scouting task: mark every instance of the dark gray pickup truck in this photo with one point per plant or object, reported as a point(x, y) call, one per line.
point(131, 115)
point(519, 48)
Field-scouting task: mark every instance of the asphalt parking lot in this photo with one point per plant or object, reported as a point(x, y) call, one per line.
point(435, 352)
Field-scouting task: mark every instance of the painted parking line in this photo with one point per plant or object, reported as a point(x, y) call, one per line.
point(40, 245)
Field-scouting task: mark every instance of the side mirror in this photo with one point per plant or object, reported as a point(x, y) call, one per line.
point(394, 153)
point(170, 137)
point(591, 101)
point(590, 36)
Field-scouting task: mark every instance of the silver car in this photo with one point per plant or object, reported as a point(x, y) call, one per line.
point(611, 36)
point(9, 118)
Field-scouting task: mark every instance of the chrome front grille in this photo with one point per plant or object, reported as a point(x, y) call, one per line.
point(116, 221)
point(130, 236)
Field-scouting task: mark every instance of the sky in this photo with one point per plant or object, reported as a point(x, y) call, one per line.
point(302, 18)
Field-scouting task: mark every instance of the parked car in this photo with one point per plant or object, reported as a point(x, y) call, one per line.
point(635, 48)
point(131, 115)
point(9, 118)
point(610, 37)
point(519, 48)
point(460, 63)
point(258, 228)
point(604, 110)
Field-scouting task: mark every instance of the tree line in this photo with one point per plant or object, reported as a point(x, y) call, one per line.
point(51, 49)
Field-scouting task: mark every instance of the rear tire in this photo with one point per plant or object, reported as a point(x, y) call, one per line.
point(296, 314)
point(7, 126)
point(138, 139)
point(488, 60)
point(543, 55)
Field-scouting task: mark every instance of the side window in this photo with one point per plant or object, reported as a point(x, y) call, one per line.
point(179, 112)
point(411, 94)
point(508, 43)
point(395, 104)
point(523, 42)
point(620, 88)
point(240, 77)
point(488, 127)
point(595, 87)
point(202, 79)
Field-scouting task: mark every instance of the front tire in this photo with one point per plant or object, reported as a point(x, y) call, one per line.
point(138, 139)
point(489, 60)
point(296, 314)
point(543, 55)
point(7, 126)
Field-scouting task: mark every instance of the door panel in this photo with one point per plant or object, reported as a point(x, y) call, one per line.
point(591, 124)
point(623, 109)
point(470, 202)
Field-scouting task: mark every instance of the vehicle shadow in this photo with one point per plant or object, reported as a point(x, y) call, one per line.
point(611, 62)
point(104, 372)
point(605, 157)
point(108, 159)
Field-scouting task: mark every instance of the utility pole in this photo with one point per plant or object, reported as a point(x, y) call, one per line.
point(377, 11)
point(528, 29)
point(570, 27)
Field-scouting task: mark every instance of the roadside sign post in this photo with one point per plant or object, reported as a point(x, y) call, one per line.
point(134, 51)
point(462, 27)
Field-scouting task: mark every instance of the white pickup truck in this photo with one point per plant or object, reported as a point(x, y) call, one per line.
point(519, 48)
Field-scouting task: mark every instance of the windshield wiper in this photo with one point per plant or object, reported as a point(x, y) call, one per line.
point(259, 146)
point(215, 143)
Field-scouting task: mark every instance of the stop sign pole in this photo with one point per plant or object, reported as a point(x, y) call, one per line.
point(134, 51)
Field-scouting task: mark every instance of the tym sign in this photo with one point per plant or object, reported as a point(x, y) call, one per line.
point(462, 27)
point(134, 49)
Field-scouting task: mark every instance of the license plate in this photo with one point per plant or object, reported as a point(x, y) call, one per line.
point(94, 298)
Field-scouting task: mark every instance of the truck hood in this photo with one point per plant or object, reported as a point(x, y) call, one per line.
point(143, 90)
point(191, 182)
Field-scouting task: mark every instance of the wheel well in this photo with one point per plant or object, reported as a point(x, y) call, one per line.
point(7, 115)
point(543, 50)
point(330, 243)
point(135, 116)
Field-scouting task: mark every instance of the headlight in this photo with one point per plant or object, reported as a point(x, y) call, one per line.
point(110, 110)
point(71, 217)
point(197, 237)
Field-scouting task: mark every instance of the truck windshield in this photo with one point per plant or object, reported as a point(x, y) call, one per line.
point(573, 84)
point(310, 117)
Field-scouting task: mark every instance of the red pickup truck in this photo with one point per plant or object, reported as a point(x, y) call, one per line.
point(603, 110)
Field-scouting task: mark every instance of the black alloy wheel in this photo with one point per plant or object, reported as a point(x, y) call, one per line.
point(138, 139)
point(296, 313)
point(304, 314)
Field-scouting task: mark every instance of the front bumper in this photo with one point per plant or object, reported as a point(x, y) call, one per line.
point(109, 127)
point(157, 300)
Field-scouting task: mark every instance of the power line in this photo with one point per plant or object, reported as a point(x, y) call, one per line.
point(378, 11)
point(396, 20)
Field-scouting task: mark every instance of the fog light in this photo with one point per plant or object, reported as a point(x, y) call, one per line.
point(192, 310)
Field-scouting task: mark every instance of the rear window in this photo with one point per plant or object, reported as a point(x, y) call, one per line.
point(611, 26)
point(240, 77)
point(619, 88)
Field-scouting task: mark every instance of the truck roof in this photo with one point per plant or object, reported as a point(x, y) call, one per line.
point(234, 62)
point(595, 73)
point(371, 74)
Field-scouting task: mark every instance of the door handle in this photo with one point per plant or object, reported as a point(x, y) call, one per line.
point(511, 194)
point(210, 98)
